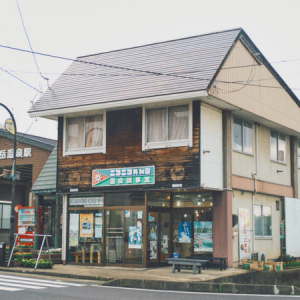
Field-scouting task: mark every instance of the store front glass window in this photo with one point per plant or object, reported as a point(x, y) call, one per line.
point(193, 224)
point(85, 229)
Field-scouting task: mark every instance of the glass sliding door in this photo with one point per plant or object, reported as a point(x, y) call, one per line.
point(133, 244)
point(114, 236)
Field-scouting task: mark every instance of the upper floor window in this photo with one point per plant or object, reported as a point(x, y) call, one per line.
point(263, 220)
point(278, 147)
point(167, 127)
point(85, 134)
point(5, 216)
point(299, 154)
point(242, 135)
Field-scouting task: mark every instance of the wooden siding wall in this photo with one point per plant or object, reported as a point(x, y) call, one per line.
point(37, 160)
point(124, 149)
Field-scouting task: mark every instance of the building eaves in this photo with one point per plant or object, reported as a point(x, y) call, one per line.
point(37, 141)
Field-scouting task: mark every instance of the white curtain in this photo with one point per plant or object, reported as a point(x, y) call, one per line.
point(156, 124)
point(75, 133)
point(94, 131)
point(178, 122)
point(248, 137)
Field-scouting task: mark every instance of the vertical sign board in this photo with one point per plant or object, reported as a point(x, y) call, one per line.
point(244, 234)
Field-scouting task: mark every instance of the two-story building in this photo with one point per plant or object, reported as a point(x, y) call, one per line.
point(187, 146)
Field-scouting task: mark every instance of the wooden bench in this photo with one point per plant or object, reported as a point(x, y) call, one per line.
point(195, 263)
point(211, 260)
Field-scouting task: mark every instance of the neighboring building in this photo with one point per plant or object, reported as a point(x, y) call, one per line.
point(44, 191)
point(188, 146)
point(32, 153)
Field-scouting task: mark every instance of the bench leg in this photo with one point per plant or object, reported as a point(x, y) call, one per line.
point(194, 270)
point(178, 268)
point(199, 270)
point(173, 268)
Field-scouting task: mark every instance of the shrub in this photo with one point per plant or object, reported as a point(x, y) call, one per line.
point(18, 255)
point(42, 264)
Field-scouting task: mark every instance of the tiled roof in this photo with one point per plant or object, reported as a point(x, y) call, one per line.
point(178, 66)
point(46, 182)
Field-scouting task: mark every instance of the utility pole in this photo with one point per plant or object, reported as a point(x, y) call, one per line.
point(13, 185)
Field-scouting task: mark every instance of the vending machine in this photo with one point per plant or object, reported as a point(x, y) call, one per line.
point(26, 224)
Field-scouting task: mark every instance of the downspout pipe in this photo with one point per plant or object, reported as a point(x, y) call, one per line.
point(254, 174)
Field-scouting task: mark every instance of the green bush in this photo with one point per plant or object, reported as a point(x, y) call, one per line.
point(42, 264)
point(18, 255)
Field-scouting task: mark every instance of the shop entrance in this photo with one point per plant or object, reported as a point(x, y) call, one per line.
point(159, 228)
point(124, 243)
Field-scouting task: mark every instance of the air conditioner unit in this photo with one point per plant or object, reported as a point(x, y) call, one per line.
point(262, 256)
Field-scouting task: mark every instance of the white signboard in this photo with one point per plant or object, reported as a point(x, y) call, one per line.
point(244, 234)
point(20, 153)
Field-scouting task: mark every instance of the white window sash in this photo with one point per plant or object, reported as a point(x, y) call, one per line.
point(84, 150)
point(172, 143)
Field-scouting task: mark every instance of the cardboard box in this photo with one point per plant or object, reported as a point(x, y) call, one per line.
point(252, 265)
point(278, 266)
point(268, 267)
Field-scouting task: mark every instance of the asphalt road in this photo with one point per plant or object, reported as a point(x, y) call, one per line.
point(17, 287)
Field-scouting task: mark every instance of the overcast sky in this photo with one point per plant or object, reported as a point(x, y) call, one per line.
point(72, 28)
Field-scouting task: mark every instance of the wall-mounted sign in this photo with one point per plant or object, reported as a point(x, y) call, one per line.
point(123, 176)
point(87, 201)
point(244, 234)
point(21, 153)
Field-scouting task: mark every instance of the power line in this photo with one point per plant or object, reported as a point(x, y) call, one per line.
point(21, 80)
point(136, 70)
point(27, 36)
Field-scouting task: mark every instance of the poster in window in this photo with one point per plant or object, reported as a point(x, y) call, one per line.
point(73, 230)
point(203, 236)
point(153, 249)
point(244, 234)
point(86, 225)
point(153, 231)
point(98, 226)
point(184, 232)
point(135, 237)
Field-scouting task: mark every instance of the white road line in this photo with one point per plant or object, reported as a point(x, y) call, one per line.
point(41, 280)
point(32, 282)
point(22, 285)
point(4, 288)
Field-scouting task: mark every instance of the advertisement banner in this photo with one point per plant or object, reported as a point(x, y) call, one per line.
point(135, 237)
point(74, 230)
point(203, 236)
point(184, 232)
point(244, 234)
point(86, 225)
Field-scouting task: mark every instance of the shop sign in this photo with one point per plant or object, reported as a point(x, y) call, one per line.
point(87, 201)
point(244, 234)
point(123, 176)
point(20, 153)
point(281, 230)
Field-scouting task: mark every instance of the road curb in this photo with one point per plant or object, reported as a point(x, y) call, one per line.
point(208, 287)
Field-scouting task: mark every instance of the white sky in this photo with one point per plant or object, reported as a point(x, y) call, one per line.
point(72, 28)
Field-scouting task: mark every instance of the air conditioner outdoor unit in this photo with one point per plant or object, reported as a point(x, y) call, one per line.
point(262, 256)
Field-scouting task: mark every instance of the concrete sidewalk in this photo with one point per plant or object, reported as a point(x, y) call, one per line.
point(159, 278)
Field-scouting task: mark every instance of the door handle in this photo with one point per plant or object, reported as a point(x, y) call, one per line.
point(206, 151)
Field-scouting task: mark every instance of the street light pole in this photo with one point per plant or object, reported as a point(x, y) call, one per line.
point(13, 185)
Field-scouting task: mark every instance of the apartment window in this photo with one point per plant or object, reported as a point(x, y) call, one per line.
point(263, 220)
point(4, 216)
point(278, 147)
point(299, 154)
point(85, 134)
point(242, 136)
point(167, 126)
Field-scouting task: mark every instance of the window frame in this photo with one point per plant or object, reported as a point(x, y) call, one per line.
point(277, 147)
point(170, 143)
point(89, 150)
point(262, 222)
point(2, 203)
point(243, 142)
point(298, 152)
